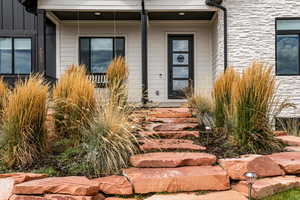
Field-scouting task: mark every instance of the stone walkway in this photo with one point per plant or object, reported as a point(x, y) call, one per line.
point(171, 163)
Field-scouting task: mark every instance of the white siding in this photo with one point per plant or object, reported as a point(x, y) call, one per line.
point(69, 37)
point(157, 52)
point(122, 4)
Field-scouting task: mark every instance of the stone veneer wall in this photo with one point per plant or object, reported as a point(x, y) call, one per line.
point(251, 26)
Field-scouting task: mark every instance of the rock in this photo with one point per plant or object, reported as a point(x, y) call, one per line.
point(280, 133)
point(289, 161)
point(169, 144)
point(171, 113)
point(263, 166)
point(176, 110)
point(290, 140)
point(292, 148)
point(227, 195)
point(172, 159)
point(114, 185)
point(184, 179)
point(23, 197)
point(170, 134)
point(73, 185)
point(173, 120)
point(6, 188)
point(23, 177)
point(69, 197)
point(116, 198)
point(268, 186)
point(171, 127)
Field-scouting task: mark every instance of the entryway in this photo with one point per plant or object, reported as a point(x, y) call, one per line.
point(180, 65)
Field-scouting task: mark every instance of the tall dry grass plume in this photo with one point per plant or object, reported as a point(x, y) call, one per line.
point(255, 104)
point(74, 102)
point(117, 75)
point(24, 130)
point(4, 92)
point(222, 96)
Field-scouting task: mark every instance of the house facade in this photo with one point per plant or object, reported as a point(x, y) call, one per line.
point(169, 45)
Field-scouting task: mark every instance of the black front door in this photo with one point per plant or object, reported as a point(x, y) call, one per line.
point(180, 65)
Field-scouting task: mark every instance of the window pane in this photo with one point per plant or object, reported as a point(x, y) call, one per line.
point(287, 54)
point(180, 85)
point(180, 72)
point(180, 59)
point(101, 54)
point(5, 55)
point(22, 55)
point(120, 47)
point(85, 52)
point(288, 24)
point(180, 45)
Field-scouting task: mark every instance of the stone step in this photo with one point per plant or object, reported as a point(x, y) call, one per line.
point(268, 186)
point(183, 179)
point(173, 120)
point(168, 144)
point(172, 159)
point(263, 166)
point(288, 161)
point(69, 197)
point(171, 113)
point(170, 126)
point(290, 140)
point(292, 148)
point(226, 195)
point(117, 185)
point(169, 134)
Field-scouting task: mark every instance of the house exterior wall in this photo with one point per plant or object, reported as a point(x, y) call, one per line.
point(122, 4)
point(157, 52)
point(251, 29)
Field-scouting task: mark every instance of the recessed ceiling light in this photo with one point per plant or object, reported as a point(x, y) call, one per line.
point(97, 13)
point(181, 13)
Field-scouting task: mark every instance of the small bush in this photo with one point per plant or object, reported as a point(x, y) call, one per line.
point(255, 104)
point(24, 130)
point(222, 92)
point(74, 102)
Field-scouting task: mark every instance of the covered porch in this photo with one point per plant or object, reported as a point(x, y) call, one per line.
point(167, 51)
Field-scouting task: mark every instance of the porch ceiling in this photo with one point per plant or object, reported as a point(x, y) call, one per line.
point(98, 15)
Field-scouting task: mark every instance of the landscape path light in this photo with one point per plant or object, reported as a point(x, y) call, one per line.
point(250, 177)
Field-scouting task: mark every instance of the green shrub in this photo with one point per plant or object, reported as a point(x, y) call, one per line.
point(24, 130)
point(74, 102)
point(222, 96)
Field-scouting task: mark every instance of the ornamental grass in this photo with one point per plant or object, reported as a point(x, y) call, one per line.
point(4, 91)
point(74, 103)
point(23, 131)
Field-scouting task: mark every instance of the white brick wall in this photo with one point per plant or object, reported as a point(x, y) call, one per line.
point(251, 26)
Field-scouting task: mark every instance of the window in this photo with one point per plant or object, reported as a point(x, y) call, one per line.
point(15, 55)
point(97, 53)
point(287, 47)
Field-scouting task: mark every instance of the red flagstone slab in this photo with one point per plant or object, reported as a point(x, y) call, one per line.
point(173, 120)
point(116, 198)
point(172, 159)
point(169, 144)
point(23, 197)
point(23, 177)
point(227, 195)
point(114, 185)
point(170, 134)
point(280, 133)
point(69, 197)
point(171, 113)
point(171, 127)
point(289, 161)
point(268, 186)
point(6, 188)
point(263, 166)
point(290, 140)
point(73, 185)
point(184, 179)
point(292, 148)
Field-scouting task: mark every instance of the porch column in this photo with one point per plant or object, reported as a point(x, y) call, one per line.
point(40, 41)
point(144, 45)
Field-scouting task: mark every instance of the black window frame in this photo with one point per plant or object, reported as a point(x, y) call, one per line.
point(286, 32)
point(114, 50)
point(13, 55)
